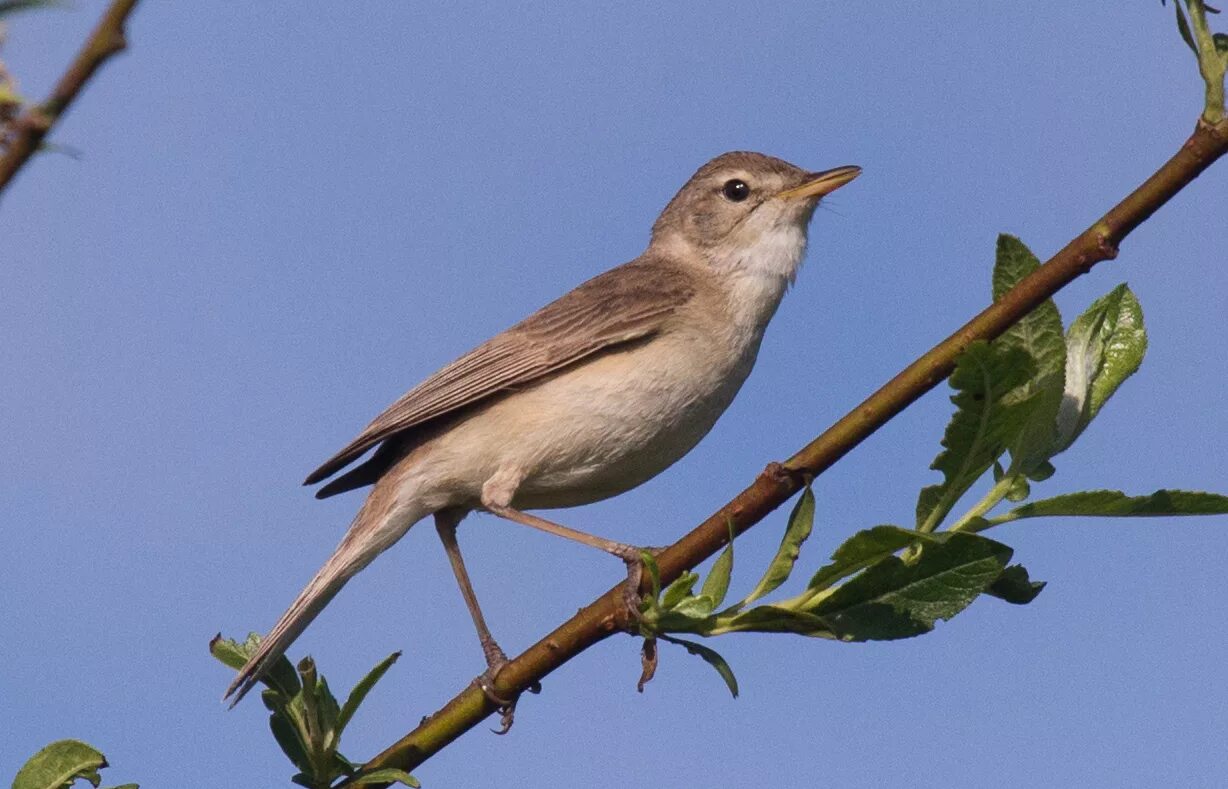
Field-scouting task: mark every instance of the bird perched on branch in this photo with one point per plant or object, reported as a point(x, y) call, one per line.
point(588, 397)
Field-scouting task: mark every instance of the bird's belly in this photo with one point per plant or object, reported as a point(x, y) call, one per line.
point(607, 439)
point(606, 426)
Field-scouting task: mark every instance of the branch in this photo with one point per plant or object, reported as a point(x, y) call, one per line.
point(23, 138)
point(606, 615)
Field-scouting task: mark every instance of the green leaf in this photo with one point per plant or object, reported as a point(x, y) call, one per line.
point(59, 765)
point(360, 691)
point(712, 657)
point(1183, 27)
point(1014, 586)
point(280, 676)
point(716, 585)
point(696, 607)
point(989, 415)
point(1114, 503)
point(801, 522)
point(769, 619)
point(654, 572)
point(894, 599)
point(864, 549)
point(1104, 347)
point(682, 588)
point(328, 711)
point(1041, 472)
point(387, 775)
point(231, 652)
point(290, 740)
point(343, 766)
point(320, 711)
point(1040, 336)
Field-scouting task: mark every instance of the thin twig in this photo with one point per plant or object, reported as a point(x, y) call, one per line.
point(606, 615)
point(26, 133)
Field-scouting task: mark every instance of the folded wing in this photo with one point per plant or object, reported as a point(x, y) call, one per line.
point(627, 304)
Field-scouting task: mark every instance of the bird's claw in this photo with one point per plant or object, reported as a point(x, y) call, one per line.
point(632, 598)
point(485, 682)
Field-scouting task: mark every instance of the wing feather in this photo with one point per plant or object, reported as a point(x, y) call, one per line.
point(623, 305)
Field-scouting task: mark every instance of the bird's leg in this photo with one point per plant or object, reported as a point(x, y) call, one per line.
point(446, 522)
point(630, 554)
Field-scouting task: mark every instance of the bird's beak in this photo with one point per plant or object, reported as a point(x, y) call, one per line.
point(823, 183)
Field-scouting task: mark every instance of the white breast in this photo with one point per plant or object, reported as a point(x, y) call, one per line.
point(611, 424)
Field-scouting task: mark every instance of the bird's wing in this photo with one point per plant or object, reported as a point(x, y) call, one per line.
point(623, 305)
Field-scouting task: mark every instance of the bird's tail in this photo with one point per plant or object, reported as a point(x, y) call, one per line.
point(369, 535)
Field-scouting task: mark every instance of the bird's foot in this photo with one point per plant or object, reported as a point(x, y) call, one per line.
point(496, 659)
point(632, 556)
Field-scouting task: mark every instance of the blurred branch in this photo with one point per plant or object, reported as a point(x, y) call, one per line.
point(606, 615)
point(23, 136)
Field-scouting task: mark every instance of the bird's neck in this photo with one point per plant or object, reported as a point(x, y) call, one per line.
point(758, 273)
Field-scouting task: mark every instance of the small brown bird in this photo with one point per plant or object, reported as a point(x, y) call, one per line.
point(586, 398)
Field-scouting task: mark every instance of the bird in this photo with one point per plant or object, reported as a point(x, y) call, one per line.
point(589, 397)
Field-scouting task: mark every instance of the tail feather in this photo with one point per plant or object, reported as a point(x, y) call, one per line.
point(322, 588)
point(374, 529)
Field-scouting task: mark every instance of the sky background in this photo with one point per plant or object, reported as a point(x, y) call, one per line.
point(285, 215)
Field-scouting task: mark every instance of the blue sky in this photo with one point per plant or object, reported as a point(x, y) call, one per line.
point(284, 216)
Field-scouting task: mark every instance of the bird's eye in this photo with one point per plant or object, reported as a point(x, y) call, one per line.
point(735, 190)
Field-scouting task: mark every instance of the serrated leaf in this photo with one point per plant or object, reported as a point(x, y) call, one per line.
point(1040, 335)
point(801, 522)
point(712, 658)
point(989, 415)
point(386, 775)
point(682, 588)
point(894, 599)
point(1014, 586)
point(360, 691)
point(716, 585)
point(1183, 27)
point(59, 764)
point(1114, 503)
point(864, 549)
point(1104, 346)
